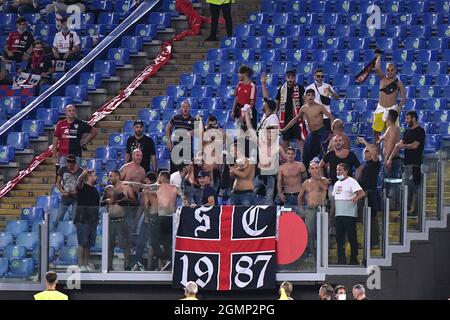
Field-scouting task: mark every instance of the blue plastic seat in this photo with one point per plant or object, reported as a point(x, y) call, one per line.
point(244, 55)
point(384, 43)
point(269, 30)
point(34, 128)
point(132, 43)
point(320, 30)
point(419, 31)
point(118, 140)
point(415, 43)
point(307, 43)
point(442, 80)
point(344, 31)
point(333, 43)
point(212, 104)
point(177, 91)
point(6, 239)
point(201, 91)
point(110, 19)
point(169, 114)
point(47, 202)
point(332, 19)
point(4, 266)
point(320, 6)
point(296, 55)
point(403, 55)
point(6, 154)
point(280, 67)
point(255, 42)
point(438, 43)
point(356, 19)
point(147, 32)
point(78, 93)
point(66, 228)
point(217, 55)
point(222, 116)
point(29, 240)
point(245, 30)
point(225, 92)
point(296, 6)
point(106, 153)
point(190, 79)
point(228, 67)
point(282, 18)
point(18, 140)
point(293, 30)
point(396, 31)
point(68, 256)
point(348, 55)
point(91, 164)
point(21, 268)
point(169, 6)
point(271, 6)
point(436, 68)
point(10, 103)
point(45, 32)
point(333, 68)
point(128, 127)
point(12, 252)
point(281, 42)
point(306, 19)
point(418, 6)
point(344, 6)
point(60, 102)
point(411, 68)
point(394, 7)
point(435, 104)
point(92, 80)
point(306, 68)
point(340, 105)
point(157, 126)
point(161, 20)
point(48, 116)
point(444, 129)
point(95, 30)
point(365, 32)
point(215, 79)
point(122, 7)
point(231, 42)
point(204, 67)
point(421, 80)
point(427, 55)
point(162, 102)
point(86, 42)
point(341, 80)
point(358, 43)
point(406, 19)
point(433, 18)
point(120, 56)
point(426, 92)
point(356, 92)
point(72, 240)
point(256, 18)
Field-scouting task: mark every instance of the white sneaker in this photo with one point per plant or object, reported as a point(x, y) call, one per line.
point(90, 267)
point(138, 267)
point(83, 269)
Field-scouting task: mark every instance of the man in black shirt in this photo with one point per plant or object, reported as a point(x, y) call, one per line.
point(86, 217)
point(19, 44)
point(209, 196)
point(413, 142)
point(185, 121)
point(145, 144)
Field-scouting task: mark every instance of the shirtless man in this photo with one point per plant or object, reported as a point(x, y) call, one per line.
point(390, 87)
point(166, 194)
point(314, 112)
point(390, 138)
point(117, 198)
point(148, 230)
point(315, 191)
point(290, 177)
point(132, 171)
point(244, 173)
point(337, 127)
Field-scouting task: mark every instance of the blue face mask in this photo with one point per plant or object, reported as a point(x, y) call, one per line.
point(340, 177)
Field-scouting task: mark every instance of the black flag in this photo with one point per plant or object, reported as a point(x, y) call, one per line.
point(364, 74)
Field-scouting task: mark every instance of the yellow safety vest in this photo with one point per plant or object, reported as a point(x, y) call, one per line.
point(219, 2)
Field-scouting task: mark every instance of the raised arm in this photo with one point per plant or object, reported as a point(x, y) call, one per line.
point(378, 67)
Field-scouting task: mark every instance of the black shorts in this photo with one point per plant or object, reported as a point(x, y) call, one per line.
point(118, 230)
point(86, 234)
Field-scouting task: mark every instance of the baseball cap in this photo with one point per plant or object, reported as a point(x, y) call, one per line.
point(203, 173)
point(272, 104)
point(138, 121)
point(71, 159)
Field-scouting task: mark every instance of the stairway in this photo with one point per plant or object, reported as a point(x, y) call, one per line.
point(185, 53)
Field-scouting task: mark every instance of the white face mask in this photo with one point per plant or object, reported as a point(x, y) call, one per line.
point(342, 296)
point(340, 177)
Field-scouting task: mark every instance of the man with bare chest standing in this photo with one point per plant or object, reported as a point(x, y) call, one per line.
point(290, 178)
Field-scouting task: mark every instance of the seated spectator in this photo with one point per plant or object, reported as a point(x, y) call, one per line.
point(66, 45)
point(19, 44)
point(40, 64)
point(20, 6)
point(62, 6)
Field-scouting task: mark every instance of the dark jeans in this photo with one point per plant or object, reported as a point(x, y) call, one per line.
point(242, 198)
point(413, 177)
point(215, 12)
point(143, 237)
point(346, 226)
point(64, 204)
point(165, 237)
point(391, 185)
point(314, 145)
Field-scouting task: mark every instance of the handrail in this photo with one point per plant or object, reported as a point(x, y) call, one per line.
point(137, 14)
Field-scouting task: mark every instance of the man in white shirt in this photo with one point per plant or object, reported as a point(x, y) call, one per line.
point(66, 44)
point(268, 147)
point(177, 178)
point(324, 92)
point(346, 192)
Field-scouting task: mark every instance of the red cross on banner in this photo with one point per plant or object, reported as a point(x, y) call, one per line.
point(226, 245)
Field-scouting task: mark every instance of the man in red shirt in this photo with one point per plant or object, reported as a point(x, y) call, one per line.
point(245, 94)
point(19, 44)
point(68, 136)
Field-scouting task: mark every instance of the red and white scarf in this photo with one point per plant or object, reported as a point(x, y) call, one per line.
point(297, 104)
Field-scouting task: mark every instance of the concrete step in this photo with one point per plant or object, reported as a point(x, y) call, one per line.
point(9, 199)
point(8, 212)
point(35, 187)
point(17, 205)
point(155, 80)
point(116, 117)
point(28, 193)
point(145, 100)
point(39, 180)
